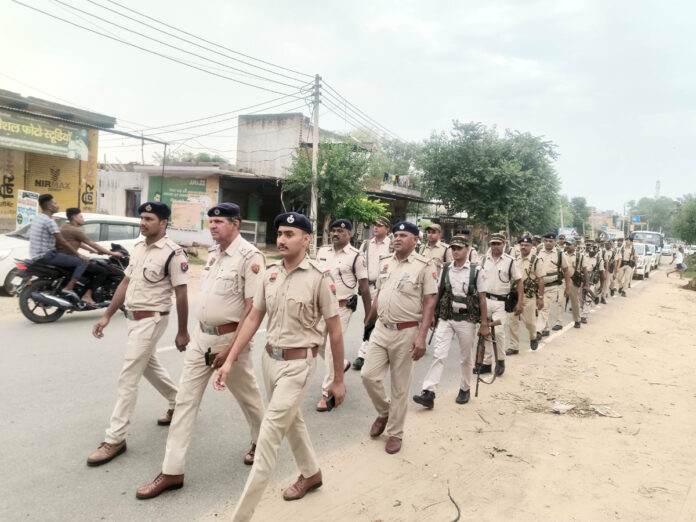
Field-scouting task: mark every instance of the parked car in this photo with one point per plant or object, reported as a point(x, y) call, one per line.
point(651, 252)
point(667, 250)
point(643, 264)
point(101, 228)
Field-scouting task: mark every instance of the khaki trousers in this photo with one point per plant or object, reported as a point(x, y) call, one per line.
point(344, 314)
point(194, 380)
point(140, 361)
point(362, 351)
point(446, 332)
point(496, 311)
point(576, 302)
point(286, 385)
point(390, 349)
point(625, 275)
point(528, 320)
point(552, 294)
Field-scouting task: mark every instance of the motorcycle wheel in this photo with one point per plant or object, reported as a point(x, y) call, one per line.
point(8, 287)
point(36, 312)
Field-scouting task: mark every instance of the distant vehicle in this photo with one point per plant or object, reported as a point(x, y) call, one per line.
point(100, 228)
point(667, 250)
point(651, 253)
point(657, 239)
point(644, 262)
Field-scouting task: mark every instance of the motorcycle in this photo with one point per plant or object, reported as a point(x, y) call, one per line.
point(40, 297)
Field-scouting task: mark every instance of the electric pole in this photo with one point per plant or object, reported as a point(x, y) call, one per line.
point(562, 225)
point(315, 162)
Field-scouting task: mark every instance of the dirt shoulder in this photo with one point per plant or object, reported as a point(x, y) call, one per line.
point(505, 455)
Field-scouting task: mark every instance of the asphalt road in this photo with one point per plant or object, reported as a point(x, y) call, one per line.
point(58, 389)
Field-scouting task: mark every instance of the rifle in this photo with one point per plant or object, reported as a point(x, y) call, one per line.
point(480, 352)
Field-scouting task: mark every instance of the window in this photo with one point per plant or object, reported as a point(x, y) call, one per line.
point(117, 231)
point(92, 230)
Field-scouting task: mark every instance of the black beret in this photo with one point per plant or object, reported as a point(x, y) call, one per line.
point(405, 226)
point(342, 223)
point(225, 210)
point(525, 239)
point(295, 220)
point(550, 235)
point(158, 208)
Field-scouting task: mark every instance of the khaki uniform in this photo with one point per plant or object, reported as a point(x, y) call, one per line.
point(148, 290)
point(578, 261)
point(496, 278)
point(401, 285)
point(592, 264)
point(528, 315)
point(374, 252)
point(609, 281)
point(625, 255)
point(440, 254)
point(229, 278)
point(554, 286)
point(340, 265)
point(447, 331)
point(295, 302)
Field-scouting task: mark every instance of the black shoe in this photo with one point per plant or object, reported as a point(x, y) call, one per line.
point(462, 397)
point(534, 344)
point(623, 294)
point(426, 398)
point(596, 300)
point(612, 291)
point(545, 333)
point(583, 320)
point(538, 336)
point(500, 368)
point(603, 301)
point(577, 324)
point(358, 363)
point(485, 368)
point(511, 351)
point(557, 327)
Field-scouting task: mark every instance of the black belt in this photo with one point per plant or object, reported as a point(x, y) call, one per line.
point(624, 263)
point(496, 297)
point(553, 283)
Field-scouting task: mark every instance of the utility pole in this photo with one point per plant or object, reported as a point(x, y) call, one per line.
point(562, 225)
point(142, 148)
point(315, 162)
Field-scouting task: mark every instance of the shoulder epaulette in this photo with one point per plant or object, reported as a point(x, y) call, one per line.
point(422, 259)
point(318, 267)
point(212, 248)
point(246, 251)
point(385, 256)
point(277, 262)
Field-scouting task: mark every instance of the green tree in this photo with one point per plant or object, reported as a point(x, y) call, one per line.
point(658, 214)
point(684, 225)
point(189, 157)
point(581, 214)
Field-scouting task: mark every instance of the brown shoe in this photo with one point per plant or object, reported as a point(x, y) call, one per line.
point(393, 445)
point(249, 457)
point(106, 452)
point(161, 483)
point(300, 488)
point(378, 426)
point(166, 419)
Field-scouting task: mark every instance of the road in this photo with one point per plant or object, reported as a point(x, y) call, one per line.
point(58, 390)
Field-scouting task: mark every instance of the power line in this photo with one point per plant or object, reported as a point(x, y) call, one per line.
point(348, 119)
point(150, 50)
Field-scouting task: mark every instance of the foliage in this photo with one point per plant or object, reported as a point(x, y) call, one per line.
point(189, 157)
point(581, 214)
point(394, 157)
point(363, 210)
point(657, 213)
point(684, 225)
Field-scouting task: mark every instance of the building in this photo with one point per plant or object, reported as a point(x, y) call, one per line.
point(46, 147)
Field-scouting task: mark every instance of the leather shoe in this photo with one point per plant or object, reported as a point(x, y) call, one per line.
point(557, 327)
point(511, 351)
point(485, 368)
point(393, 445)
point(378, 426)
point(534, 344)
point(500, 368)
point(538, 336)
point(603, 301)
point(166, 419)
point(426, 398)
point(106, 452)
point(612, 292)
point(304, 484)
point(545, 333)
point(249, 457)
point(358, 363)
point(463, 397)
point(583, 320)
point(577, 324)
point(161, 484)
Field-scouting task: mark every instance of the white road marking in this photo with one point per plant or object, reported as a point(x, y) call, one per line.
point(170, 348)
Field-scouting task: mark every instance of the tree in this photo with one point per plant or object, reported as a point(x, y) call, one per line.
point(189, 157)
point(658, 214)
point(581, 213)
point(393, 157)
point(684, 224)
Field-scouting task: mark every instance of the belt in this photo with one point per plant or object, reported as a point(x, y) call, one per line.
point(401, 326)
point(553, 283)
point(624, 263)
point(139, 314)
point(219, 330)
point(459, 316)
point(288, 354)
point(496, 297)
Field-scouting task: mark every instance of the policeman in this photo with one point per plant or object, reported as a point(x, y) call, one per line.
point(556, 283)
point(595, 278)
point(404, 306)
point(627, 262)
point(458, 289)
point(376, 248)
point(230, 279)
point(157, 266)
point(532, 272)
point(609, 266)
point(296, 294)
point(499, 275)
point(579, 280)
point(435, 249)
point(349, 271)
point(561, 242)
point(537, 245)
point(466, 234)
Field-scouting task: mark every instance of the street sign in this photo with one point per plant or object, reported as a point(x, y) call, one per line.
point(635, 219)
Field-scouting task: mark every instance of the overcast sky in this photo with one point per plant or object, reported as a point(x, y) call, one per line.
point(611, 83)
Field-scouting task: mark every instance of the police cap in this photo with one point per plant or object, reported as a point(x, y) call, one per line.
point(550, 235)
point(497, 238)
point(225, 210)
point(459, 241)
point(383, 221)
point(525, 239)
point(157, 208)
point(405, 226)
point(342, 223)
point(570, 241)
point(295, 220)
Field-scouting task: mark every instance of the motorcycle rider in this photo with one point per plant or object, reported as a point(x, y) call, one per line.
point(76, 238)
point(43, 238)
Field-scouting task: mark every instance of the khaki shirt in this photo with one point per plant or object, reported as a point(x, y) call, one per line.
point(577, 261)
point(149, 289)
point(498, 276)
point(549, 261)
point(525, 268)
point(340, 266)
point(625, 253)
point(591, 262)
point(295, 302)
point(375, 251)
point(402, 285)
point(440, 254)
point(229, 278)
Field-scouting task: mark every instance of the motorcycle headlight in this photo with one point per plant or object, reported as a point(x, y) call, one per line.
point(5, 253)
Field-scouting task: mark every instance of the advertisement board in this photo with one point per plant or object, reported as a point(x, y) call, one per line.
point(27, 207)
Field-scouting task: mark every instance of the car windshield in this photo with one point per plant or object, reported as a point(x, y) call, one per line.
point(640, 249)
point(23, 233)
point(651, 249)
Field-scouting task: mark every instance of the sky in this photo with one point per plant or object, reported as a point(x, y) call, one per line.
point(608, 82)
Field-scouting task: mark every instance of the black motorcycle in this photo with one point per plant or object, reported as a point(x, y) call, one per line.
point(40, 296)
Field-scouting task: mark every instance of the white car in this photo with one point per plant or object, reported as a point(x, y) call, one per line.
point(651, 253)
point(101, 228)
point(667, 250)
point(644, 262)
